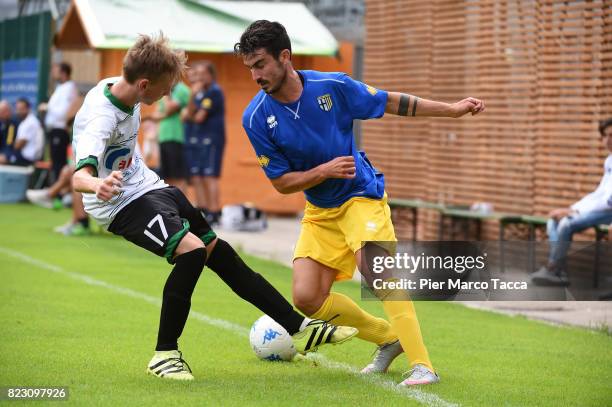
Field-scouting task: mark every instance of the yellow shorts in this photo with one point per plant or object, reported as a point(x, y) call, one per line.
point(331, 236)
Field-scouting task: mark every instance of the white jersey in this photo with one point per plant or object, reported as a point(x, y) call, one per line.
point(105, 136)
point(61, 100)
point(601, 198)
point(32, 132)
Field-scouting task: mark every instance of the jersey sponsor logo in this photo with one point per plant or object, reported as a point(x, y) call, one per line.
point(123, 164)
point(206, 103)
point(117, 157)
point(272, 123)
point(263, 160)
point(325, 102)
point(371, 89)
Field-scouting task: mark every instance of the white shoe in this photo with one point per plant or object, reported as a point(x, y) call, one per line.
point(67, 200)
point(63, 228)
point(169, 365)
point(39, 197)
point(420, 374)
point(385, 354)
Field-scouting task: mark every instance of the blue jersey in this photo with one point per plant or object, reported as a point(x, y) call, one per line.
point(190, 137)
point(8, 132)
point(213, 127)
point(315, 129)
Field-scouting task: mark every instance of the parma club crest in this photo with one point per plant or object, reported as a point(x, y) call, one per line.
point(372, 90)
point(325, 102)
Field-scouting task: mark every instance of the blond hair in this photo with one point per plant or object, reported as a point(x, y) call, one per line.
point(151, 58)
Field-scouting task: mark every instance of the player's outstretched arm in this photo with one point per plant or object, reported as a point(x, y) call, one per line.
point(84, 181)
point(403, 104)
point(295, 181)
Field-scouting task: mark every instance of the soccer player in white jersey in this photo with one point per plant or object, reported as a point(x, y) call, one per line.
point(130, 200)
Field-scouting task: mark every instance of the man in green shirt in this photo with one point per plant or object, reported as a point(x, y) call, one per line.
point(171, 135)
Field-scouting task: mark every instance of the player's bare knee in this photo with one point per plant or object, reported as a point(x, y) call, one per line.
point(307, 302)
point(187, 244)
point(210, 247)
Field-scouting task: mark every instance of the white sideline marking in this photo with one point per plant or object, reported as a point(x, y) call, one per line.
point(415, 394)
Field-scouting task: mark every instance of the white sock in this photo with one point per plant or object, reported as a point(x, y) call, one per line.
point(164, 353)
point(305, 322)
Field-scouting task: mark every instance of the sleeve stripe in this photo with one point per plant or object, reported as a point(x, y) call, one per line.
point(255, 110)
point(323, 80)
point(91, 161)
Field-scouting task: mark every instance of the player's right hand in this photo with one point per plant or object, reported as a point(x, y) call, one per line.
point(110, 186)
point(559, 213)
point(341, 167)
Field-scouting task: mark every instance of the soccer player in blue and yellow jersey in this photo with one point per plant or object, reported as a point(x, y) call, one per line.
point(301, 127)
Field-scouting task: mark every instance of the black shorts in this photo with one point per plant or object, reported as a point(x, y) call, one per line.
point(172, 160)
point(158, 220)
point(59, 140)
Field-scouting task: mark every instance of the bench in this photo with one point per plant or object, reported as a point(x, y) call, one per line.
point(41, 173)
point(533, 224)
point(413, 205)
point(601, 231)
point(463, 215)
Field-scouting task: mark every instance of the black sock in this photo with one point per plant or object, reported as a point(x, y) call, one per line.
point(84, 222)
point(177, 297)
point(252, 287)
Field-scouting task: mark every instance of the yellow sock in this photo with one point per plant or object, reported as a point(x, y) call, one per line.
point(405, 324)
point(371, 329)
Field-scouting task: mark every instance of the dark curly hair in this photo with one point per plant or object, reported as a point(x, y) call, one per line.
point(603, 125)
point(263, 34)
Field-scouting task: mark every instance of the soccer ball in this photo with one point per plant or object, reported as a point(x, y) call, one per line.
point(270, 341)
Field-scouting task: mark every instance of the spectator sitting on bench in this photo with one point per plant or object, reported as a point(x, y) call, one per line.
point(592, 210)
point(52, 197)
point(8, 129)
point(30, 140)
point(78, 225)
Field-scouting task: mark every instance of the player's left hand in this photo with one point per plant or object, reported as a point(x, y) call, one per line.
point(467, 105)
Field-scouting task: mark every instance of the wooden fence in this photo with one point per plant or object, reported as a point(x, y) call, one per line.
point(544, 69)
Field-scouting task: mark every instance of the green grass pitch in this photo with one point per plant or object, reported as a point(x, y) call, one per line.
point(83, 313)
